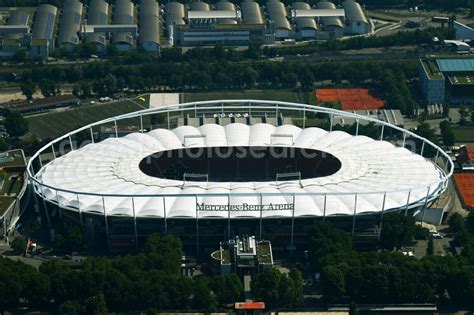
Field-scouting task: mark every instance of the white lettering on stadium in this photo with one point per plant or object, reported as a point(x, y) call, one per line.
point(246, 207)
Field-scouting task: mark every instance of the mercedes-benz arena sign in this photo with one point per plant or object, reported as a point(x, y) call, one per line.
point(239, 170)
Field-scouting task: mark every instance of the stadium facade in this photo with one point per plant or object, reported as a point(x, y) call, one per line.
point(210, 182)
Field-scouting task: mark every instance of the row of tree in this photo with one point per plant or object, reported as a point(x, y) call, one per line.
point(104, 78)
point(391, 277)
point(148, 281)
point(218, 52)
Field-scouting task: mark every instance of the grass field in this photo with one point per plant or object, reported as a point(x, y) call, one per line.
point(5, 202)
point(277, 95)
point(464, 134)
point(57, 123)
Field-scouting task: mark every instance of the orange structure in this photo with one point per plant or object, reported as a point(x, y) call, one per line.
point(350, 99)
point(251, 305)
point(465, 186)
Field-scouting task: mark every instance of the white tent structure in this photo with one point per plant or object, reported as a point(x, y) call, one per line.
point(375, 175)
point(112, 167)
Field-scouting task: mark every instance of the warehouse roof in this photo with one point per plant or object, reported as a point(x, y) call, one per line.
point(70, 22)
point(354, 12)
point(45, 19)
point(277, 13)
point(123, 14)
point(149, 21)
point(329, 21)
point(199, 6)
point(304, 22)
point(97, 15)
point(16, 18)
point(455, 65)
point(225, 6)
point(251, 13)
point(175, 13)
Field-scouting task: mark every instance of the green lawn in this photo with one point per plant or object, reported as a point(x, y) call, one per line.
point(55, 124)
point(464, 134)
point(17, 159)
point(276, 95)
point(11, 186)
point(5, 202)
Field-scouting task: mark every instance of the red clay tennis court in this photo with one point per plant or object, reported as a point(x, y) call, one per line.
point(350, 99)
point(465, 186)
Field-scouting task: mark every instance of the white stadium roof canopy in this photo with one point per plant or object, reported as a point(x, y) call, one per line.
point(111, 168)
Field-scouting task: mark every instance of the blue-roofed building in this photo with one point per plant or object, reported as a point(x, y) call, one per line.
point(447, 80)
point(455, 65)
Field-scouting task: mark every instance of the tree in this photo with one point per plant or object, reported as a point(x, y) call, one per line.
point(447, 133)
point(277, 289)
point(164, 253)
point(297, 287)
point(398, 230)
point(71, 308)
point(3, 144)
point(333, 284)
point(48, 88)
point(326, 239)
point(456, 223)
point(424, 130)
point(19, 56)
point(28, 88)
point(461, 285)
point(430, 248)
point(15, 124)
point(18, 245)
point(463, 113)
point(446, 108)
point(37, 289)
point(96, 305)
point(112, 50)
point(203, 298)
point(265, 287)
point(227, 288)
point(249, 77)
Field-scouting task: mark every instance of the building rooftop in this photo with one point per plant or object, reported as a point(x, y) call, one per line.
point(42, 102)
point(465, 185)
point(264, 252)
point(432, 70)
point(455, 65)
point(461, 79)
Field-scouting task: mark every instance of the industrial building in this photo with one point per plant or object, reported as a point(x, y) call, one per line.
point(121, 24)
point(149, 25)
point(97, 15)
point(447, 80)
point(123, 15)
point(356, 21)
point(13, 33)
point(42, 39)
point(244, 255)
point(70, 23)
point(203, 24)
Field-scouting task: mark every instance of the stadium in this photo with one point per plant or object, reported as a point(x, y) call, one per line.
point(215, 169)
